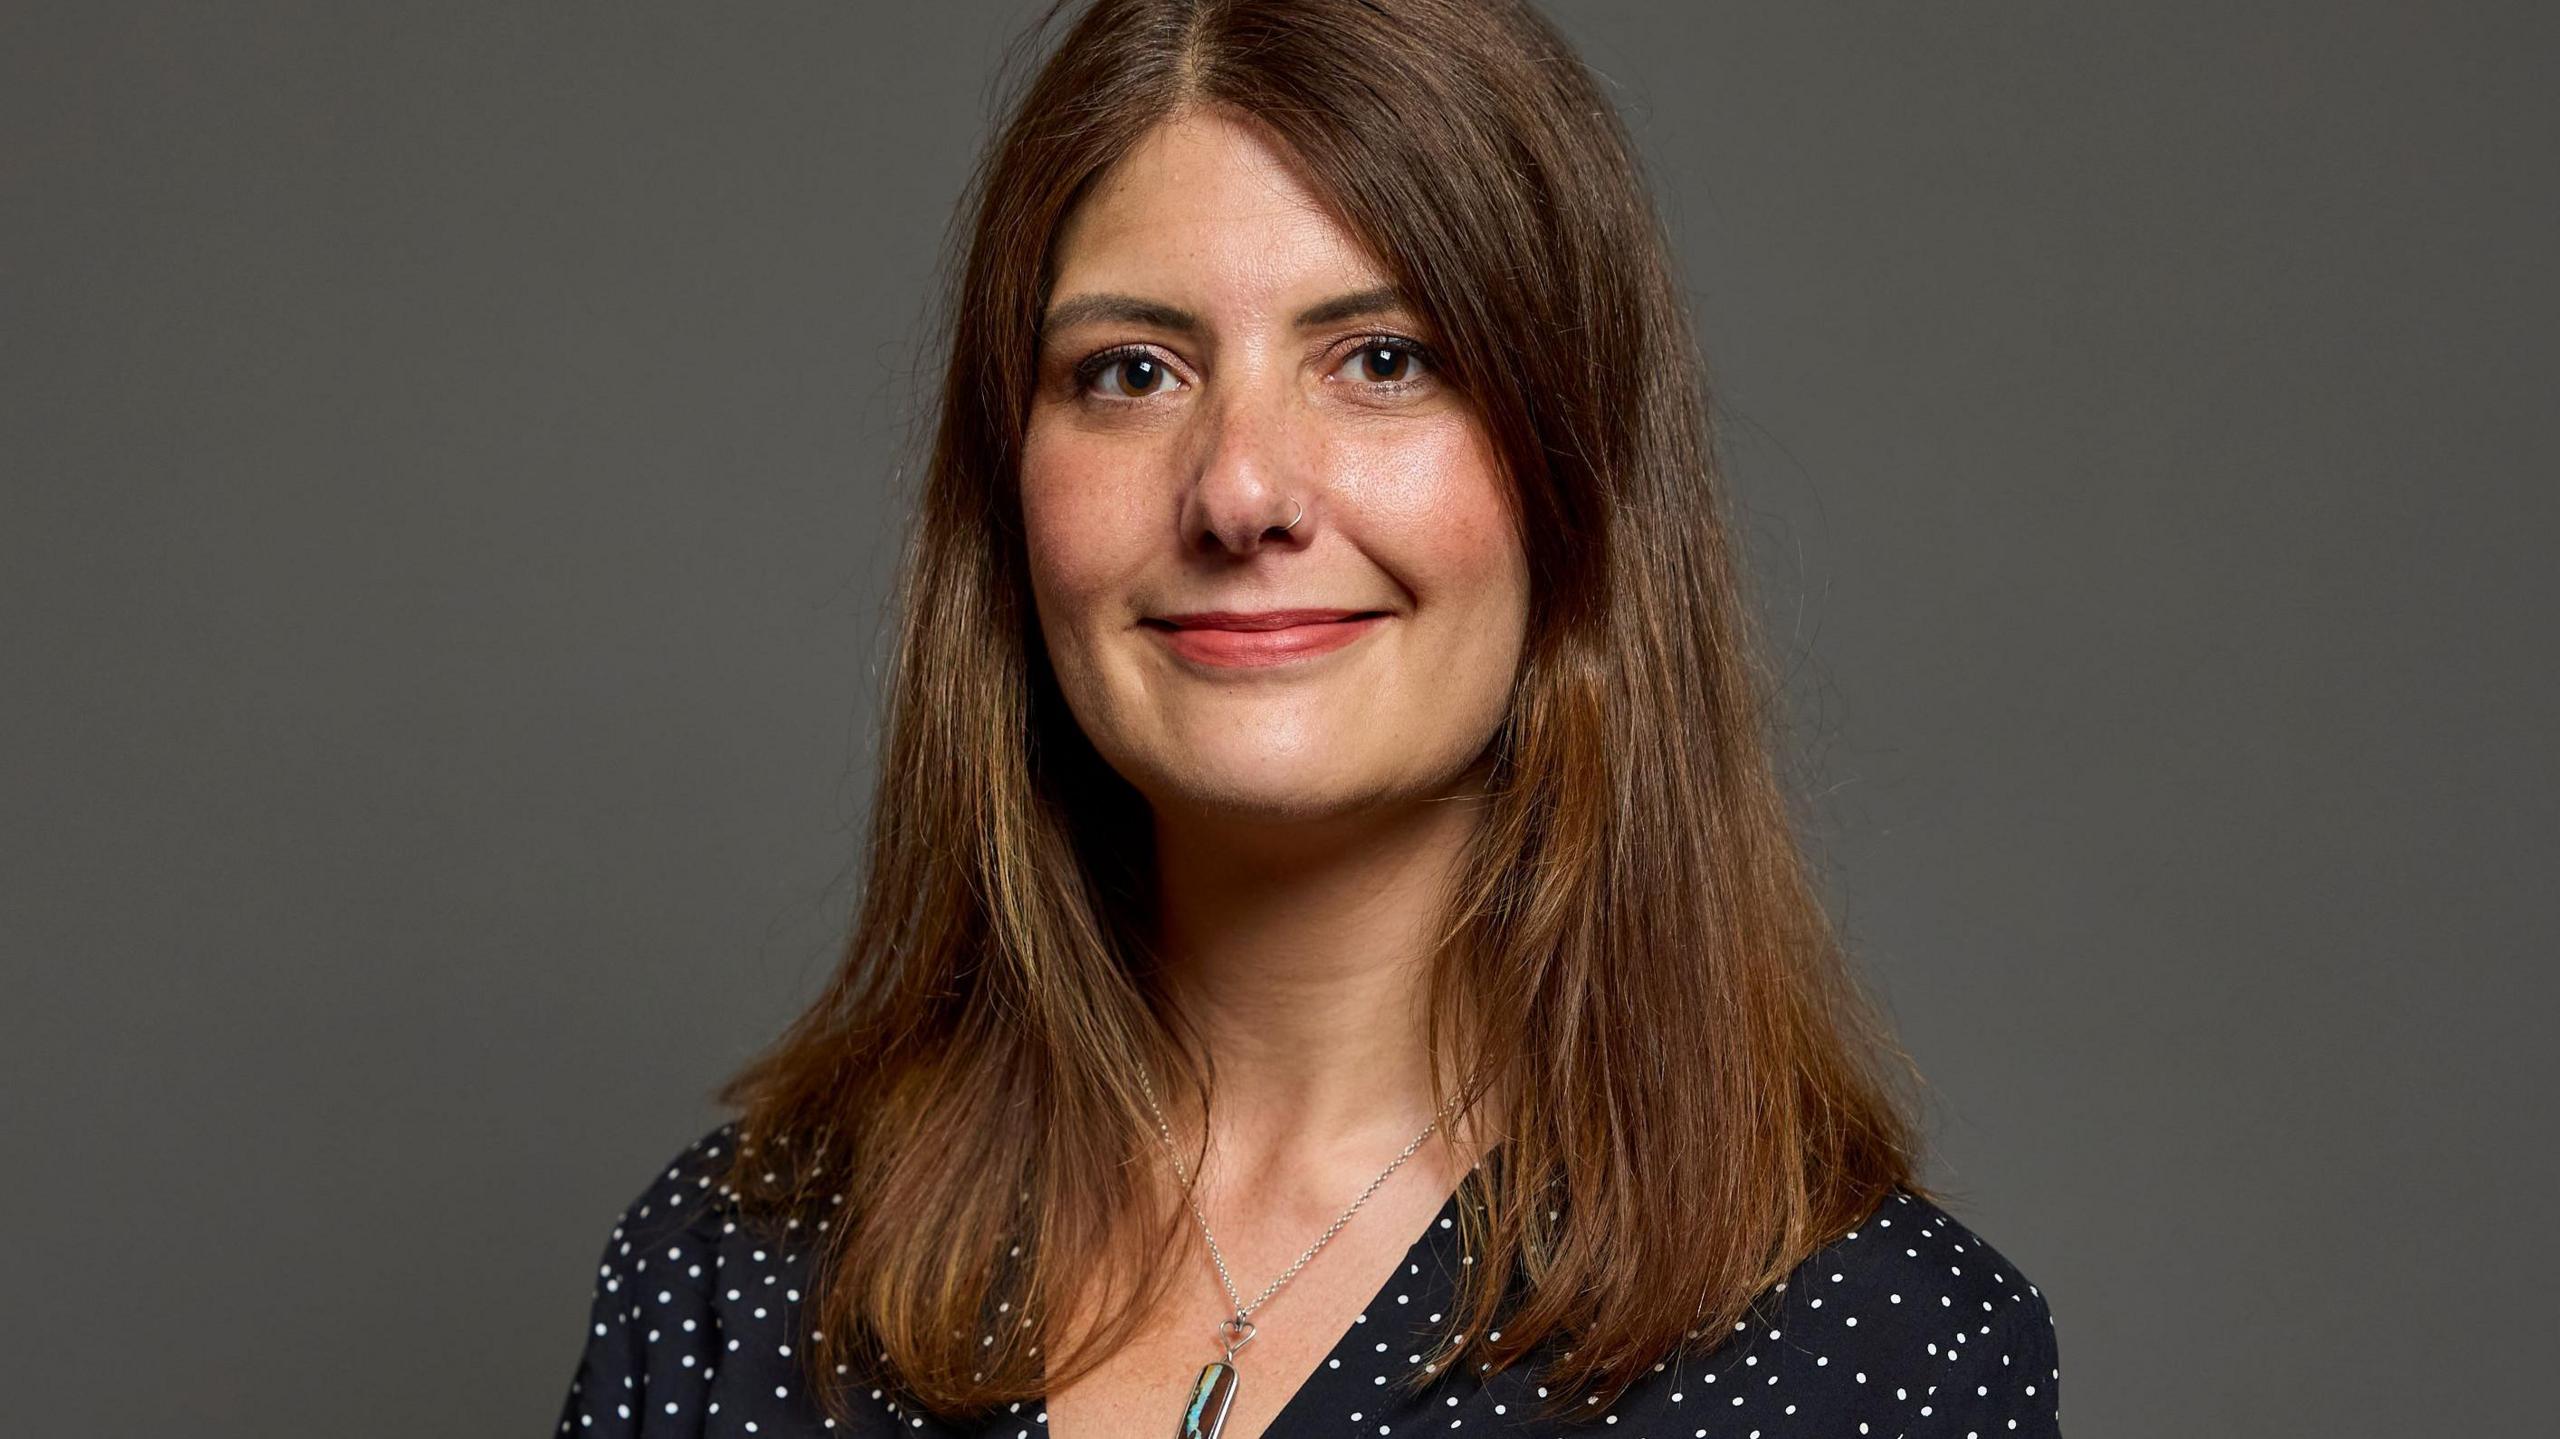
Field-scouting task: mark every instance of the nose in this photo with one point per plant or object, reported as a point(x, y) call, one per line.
point(1252, 480)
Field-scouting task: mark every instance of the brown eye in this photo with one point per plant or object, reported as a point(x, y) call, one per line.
point(1387, 363)
point(1140, 373)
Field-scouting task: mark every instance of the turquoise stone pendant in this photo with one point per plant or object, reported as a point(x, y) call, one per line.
point(1211, 1398)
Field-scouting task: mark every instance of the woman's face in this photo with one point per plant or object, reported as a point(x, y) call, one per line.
point(1216, 361)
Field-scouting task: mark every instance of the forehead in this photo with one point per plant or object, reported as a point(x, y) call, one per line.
point(1216, 207)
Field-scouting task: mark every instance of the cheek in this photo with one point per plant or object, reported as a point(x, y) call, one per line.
point(1440, 492)
point(1083, 518)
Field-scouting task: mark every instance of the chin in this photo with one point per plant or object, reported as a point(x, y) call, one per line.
point(1260, 791)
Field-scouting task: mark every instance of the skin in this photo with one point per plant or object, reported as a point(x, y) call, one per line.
point(1308, 815)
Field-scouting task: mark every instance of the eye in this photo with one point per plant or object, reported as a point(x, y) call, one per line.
point(1138, 368)
point(1380, 357)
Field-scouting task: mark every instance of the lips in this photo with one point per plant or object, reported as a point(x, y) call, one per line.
point(1257, 619)
point(1241, 640)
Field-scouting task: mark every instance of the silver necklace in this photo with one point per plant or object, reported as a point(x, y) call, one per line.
point(1205, 1412)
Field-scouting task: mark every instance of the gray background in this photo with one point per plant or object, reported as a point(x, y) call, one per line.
point(452, 455)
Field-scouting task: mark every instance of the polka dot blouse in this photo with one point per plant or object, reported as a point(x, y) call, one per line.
point(1909, 1325)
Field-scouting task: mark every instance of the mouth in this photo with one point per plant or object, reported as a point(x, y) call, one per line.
point(1232, 640)
point(1254, 620)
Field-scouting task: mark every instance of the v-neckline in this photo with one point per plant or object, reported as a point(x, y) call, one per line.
point(1442, 1220)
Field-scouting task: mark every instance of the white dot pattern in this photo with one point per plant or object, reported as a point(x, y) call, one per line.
point(1909, 1325)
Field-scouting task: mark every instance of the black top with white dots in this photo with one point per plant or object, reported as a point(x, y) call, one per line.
point(1909, 1325)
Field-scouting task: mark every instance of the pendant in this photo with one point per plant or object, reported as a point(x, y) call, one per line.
point(1215, 1393)
point(1211, 1398)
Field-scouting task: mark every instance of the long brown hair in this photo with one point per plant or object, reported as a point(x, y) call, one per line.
point(1635, 951)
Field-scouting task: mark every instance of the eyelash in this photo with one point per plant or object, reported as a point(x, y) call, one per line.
point(1092, 368)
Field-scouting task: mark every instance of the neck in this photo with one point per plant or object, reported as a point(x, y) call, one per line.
point(1298, 954)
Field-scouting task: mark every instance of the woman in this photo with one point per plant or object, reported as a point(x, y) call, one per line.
point(1333, 958)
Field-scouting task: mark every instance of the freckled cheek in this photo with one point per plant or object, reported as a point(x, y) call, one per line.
point(1437, 495)
point(1084, 511)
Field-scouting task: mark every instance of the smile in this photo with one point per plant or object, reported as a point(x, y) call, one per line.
point(1259, 648)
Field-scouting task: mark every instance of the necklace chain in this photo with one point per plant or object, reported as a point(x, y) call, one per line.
point(1244, 1311)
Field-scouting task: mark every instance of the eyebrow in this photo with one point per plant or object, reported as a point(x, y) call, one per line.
point(1132, 310)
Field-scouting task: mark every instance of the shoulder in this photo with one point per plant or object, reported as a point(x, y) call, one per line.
point(1912, 1266)
point(1913, 1314)
point(686, 1193)
point(669, 1233)
point(653, 1324)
